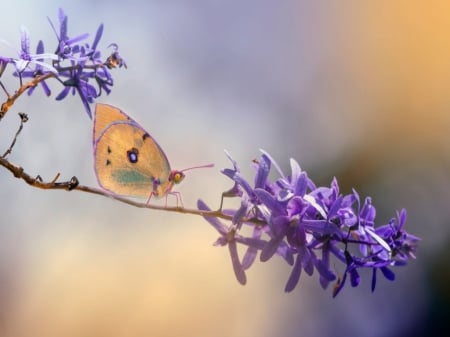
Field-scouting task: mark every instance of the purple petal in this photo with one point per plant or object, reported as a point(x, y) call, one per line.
point(295, 275)
point(263, 172)
point(25, 40)
point(237, 267)
point(286, 253)
point(251, 252)
point(62, 24)
point(296, 171)
point(98, 36)
point(401, 219)
point(267, 199)
point(63, 94)
point(77, 39)
point(40, 47)
point(307, 262)
point(301, 185)
point(215, 222)
point(354, 277)
point(271, 247)
point(320, 226)
point(240, 214)
point(243, 183)
point(325, 272)
point(388, 273)
point(335, 207)
point(274, 163)
point(249, 257)
point(374, 279)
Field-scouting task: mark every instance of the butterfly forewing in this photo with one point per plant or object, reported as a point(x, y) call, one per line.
point(128, 161)
point(105, 115)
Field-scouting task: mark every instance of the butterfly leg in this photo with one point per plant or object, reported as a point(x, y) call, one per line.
point(177, 197)
point(150, 197)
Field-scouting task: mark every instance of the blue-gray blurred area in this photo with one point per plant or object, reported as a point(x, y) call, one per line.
point(356, 90)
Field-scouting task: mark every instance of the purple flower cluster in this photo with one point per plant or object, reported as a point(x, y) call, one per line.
point(77, 65)
point(307, 225)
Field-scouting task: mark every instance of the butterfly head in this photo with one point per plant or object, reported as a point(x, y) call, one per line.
point(176, 177)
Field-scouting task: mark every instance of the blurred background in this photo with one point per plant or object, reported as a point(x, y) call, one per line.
point(356, 90)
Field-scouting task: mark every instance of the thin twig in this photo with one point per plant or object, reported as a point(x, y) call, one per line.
point(73, 184)
point(4, 89)
point(23, 119)
point(11, 99)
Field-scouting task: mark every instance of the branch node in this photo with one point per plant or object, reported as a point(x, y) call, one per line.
point(73, 183)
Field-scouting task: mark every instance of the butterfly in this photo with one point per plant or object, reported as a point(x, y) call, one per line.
point(127, 160)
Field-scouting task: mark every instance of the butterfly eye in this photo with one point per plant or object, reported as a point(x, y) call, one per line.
point(176, 177)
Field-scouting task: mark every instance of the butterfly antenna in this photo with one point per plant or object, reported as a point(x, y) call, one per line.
point(196, 167)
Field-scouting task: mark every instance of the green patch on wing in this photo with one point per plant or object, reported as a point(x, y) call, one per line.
point(130, 177)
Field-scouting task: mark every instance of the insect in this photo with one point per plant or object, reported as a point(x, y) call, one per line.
point(127, 160)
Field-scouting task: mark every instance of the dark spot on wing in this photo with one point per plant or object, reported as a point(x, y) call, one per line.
point(133, 155)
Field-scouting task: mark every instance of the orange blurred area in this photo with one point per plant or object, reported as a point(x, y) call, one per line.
point(130, 286)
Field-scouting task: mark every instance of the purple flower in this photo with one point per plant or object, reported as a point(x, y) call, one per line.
point(40, 69)
point(77, 65)
point(67, 47)
point(3, 64)
point(307, 226)
point(26, 59)
point(78, 83)
point(230, 238)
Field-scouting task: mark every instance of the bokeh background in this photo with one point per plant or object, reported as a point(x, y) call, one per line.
point(359, 90)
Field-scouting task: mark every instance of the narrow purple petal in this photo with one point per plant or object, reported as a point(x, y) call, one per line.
point(296, 171)
point(274, 163)
point(295, 275)
point(269, 200)
point(325, 272)
point(249, 257)
point(243, 183)
point(354, 277)
point(301, 185)
point(374, 279)
point(63, 94)
point(271, 247)
point(77, 39)
point(252, 251)
point(307, 262)
point(286, 253)
point(263, 172)
point(62, 24)
point(240, 214)
point(215, 222)
point(98, 36)
point(40, 47)
point(237, 267)
point(335, 207)
point(25, 40)
point(401, 219)
point(389, 274)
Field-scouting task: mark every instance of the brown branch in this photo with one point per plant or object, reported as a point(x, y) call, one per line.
point(11, 99)
point(73, 184)
point(23, 119)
